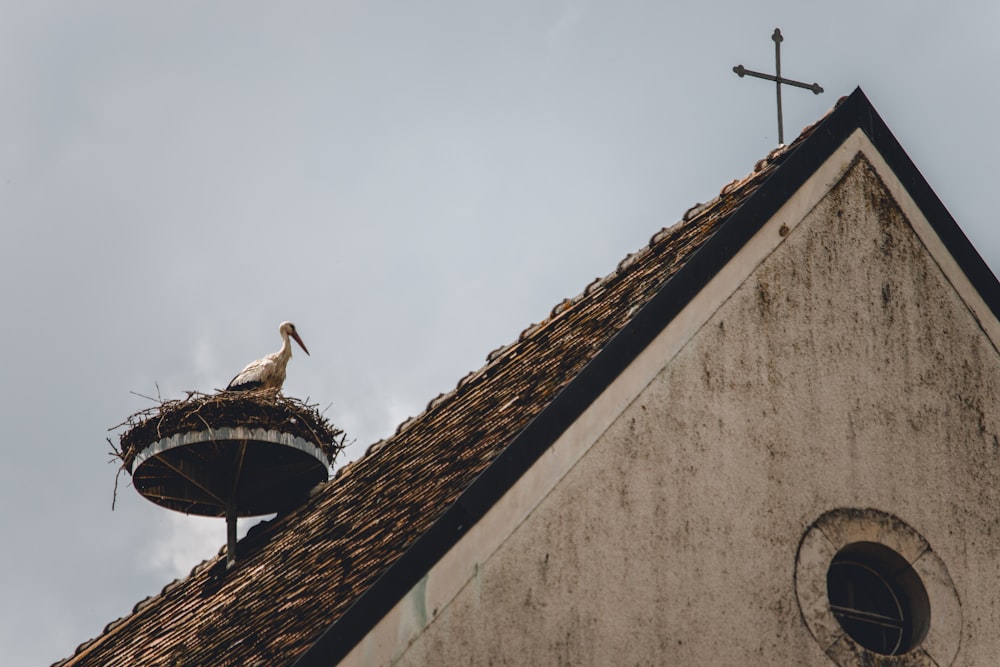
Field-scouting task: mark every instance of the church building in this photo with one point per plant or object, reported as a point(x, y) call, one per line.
point(768, 437)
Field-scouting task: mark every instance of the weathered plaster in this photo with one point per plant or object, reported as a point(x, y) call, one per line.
point(838, 361)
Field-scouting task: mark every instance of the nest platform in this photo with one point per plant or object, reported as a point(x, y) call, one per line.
point(229, 454)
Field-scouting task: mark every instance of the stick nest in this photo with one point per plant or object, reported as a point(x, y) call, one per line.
point(249, 409)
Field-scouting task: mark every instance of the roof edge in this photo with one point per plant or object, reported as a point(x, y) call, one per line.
point(852, 113)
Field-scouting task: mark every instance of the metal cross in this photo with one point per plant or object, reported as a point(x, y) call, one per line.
point(778, 79)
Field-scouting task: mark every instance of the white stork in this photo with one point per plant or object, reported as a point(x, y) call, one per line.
point(268, 373)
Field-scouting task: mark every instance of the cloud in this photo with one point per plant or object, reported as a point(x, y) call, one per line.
point(185, 541)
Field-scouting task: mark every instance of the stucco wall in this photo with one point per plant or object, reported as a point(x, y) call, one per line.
point(845, 372)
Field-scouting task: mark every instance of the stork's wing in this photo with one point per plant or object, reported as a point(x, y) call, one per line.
point(251, 377)
point(236, 385)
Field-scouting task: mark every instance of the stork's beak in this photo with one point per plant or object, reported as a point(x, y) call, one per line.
point(298, 340)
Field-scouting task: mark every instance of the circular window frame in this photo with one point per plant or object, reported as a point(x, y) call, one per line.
point(838, 529)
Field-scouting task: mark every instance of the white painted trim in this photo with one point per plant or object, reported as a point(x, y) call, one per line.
point(459, 567)
point(932, 242)
point(239, 433)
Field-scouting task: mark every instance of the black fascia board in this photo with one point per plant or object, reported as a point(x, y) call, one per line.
point(852, 113)
point(944, 225)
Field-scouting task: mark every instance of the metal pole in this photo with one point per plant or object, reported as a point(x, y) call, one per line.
point(231, 508)
point(230, 534)
point(776, 36)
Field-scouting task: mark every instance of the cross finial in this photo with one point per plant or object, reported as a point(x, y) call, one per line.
point(778, 79)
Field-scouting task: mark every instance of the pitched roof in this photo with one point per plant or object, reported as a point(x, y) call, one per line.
point(310, 584)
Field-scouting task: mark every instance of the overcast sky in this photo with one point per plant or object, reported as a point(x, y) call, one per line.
point(411, 183)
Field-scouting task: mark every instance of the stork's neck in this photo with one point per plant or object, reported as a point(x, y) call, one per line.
point(286, 347)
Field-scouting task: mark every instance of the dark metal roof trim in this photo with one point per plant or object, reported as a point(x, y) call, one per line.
point(855, 112)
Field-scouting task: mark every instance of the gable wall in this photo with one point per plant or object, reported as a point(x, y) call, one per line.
point(843, 371)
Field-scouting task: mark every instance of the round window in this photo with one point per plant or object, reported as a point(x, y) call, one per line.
point(866, 584)
point(877, 598)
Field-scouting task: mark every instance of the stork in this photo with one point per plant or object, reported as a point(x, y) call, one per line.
point(268, 373)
